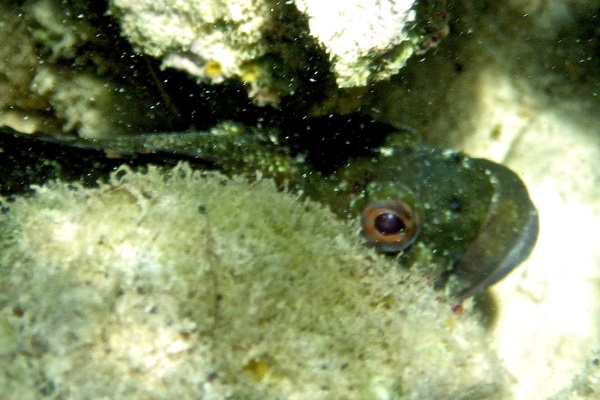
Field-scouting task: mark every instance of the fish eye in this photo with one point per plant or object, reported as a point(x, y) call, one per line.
point(389, 225)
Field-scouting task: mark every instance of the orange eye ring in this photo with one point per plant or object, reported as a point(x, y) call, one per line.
point(389, 225)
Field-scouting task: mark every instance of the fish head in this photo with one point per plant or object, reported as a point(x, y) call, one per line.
point(475, 215)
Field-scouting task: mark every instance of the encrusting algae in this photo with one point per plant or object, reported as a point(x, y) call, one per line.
point(187, 284)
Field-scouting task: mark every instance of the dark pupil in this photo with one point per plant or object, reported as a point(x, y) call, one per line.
point(389, 223)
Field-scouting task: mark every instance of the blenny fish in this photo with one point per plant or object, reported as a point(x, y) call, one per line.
point(475, 214)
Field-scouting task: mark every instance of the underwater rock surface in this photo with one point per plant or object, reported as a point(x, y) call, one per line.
point(64, 71)
point(192, 285)
point(269, 44)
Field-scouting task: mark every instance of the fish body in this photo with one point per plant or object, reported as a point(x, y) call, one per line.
point(475, 215)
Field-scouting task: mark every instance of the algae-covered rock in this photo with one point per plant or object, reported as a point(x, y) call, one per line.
point(63, 71)
point(371, 40)
point(275, 46)
point(186, 284)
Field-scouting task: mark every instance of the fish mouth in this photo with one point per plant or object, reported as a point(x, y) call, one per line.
point(506, 237)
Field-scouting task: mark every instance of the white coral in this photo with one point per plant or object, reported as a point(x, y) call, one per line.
point(355, 30)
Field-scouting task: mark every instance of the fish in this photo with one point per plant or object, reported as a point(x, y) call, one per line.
point(475, 215)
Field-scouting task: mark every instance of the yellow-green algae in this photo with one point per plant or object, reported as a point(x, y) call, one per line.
point(186, 284)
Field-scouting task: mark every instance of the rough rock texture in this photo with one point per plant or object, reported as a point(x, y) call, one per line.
point(20, 106)
point(190, 285)
point(366, 40)
point(62, 72)
point(67, 69)
point(273, 45)
point(265, 43)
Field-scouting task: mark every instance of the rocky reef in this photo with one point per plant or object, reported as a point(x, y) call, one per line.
point(274, 46)
point(515, 82)
point(63, 72)
point(101, 69)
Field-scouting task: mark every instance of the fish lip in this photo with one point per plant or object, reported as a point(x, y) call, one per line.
point(520, 252)
point(511, 197)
